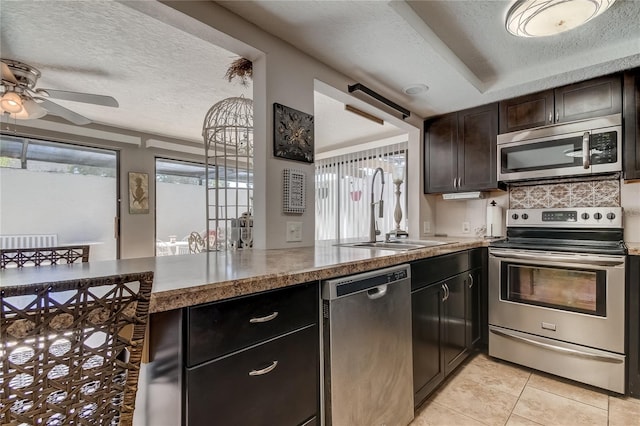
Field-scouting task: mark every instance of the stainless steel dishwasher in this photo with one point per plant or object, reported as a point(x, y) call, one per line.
point(367, 348)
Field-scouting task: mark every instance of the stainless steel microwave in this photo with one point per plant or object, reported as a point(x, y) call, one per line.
point(569, 149)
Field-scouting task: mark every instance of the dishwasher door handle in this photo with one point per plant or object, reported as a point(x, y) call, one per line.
point(377, 292)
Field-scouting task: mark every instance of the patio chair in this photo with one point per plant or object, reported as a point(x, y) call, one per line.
point(162, 248)
point(21, 257)
point(72, 350)
point(196, 242)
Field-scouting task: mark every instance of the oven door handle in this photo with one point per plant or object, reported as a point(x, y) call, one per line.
point(568, 351)
point(588, 260)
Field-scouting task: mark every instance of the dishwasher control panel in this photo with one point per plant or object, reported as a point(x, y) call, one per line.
point(339, 287)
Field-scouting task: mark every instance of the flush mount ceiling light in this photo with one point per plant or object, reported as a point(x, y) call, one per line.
point(540, 18)
point(415, 89)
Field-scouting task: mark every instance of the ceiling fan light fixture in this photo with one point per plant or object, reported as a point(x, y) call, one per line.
point(30, 111)
point(11, 102)
point(541, 18)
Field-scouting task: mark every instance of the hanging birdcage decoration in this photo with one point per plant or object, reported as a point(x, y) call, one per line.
point(228, 142)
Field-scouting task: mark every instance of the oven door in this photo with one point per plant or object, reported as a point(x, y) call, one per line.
point(576, 298)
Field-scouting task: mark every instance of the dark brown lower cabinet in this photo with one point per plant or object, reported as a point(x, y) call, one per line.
point(250, 360)
point(428, 342)
point(274, 383)
point(633, 285)
point(455, 322)
point(446, 316)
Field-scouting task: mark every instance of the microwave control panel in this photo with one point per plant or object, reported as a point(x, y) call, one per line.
point(603, 147)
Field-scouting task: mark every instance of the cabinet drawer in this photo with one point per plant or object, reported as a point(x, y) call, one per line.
point(435, 269)
point(220, 328)
point(223, 392)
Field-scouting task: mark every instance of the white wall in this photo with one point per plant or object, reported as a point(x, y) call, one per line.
point(284, 75)
point(449, 214)
point(78, 208)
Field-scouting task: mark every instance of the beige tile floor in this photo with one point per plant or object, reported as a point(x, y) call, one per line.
point(487, 391)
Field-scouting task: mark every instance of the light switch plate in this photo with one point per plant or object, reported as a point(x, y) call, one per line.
point(294, 232)
point(426, 227)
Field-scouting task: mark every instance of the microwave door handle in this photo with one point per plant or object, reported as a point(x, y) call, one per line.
point(586, 152)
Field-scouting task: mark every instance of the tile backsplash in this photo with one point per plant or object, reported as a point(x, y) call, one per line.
point(598, 193)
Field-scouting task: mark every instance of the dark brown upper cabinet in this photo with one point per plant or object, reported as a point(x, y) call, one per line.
point(460, 151)
point(527, 111)
point(631, 116)
point(592, 98)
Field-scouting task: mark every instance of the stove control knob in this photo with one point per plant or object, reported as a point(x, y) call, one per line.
point(597, 216)
point(611, 216)
point(585, 216)
point(525, 216)
point(514, 216)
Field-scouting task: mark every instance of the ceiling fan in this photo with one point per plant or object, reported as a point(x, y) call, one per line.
point(22, 100)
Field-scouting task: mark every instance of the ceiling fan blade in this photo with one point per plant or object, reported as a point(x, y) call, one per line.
point(87, 98)
point(63, 112)
point(7, 74)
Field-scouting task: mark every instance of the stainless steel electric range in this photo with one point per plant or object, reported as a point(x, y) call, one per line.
point(557, 294)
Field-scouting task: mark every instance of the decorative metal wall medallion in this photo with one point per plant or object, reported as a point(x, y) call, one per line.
point(293, 134)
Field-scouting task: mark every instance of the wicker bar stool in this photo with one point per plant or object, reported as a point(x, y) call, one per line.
point(41, 256)
point(70, 351)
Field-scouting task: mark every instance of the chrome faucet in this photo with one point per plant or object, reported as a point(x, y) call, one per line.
point(372, 225)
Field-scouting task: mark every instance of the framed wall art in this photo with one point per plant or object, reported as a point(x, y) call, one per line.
point(138, 193)
point(293, 134)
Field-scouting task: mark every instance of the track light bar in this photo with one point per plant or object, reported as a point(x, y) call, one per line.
point(405, 112)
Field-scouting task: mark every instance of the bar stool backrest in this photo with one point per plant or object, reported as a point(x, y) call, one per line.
point(71, 350)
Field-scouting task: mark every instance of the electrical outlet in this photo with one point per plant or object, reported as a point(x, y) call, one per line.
point(294, 232)
point(465, 227)
point(426, 227)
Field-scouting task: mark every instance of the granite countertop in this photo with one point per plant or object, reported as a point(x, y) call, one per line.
point(633, 248)
point(181, 281)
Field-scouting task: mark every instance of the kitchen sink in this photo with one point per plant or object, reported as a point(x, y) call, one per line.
point(397, 245)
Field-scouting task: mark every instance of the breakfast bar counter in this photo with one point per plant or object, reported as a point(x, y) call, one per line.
point(188, 280)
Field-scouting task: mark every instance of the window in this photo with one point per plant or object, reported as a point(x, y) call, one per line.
point(60, 190)
point(180, 205)
point(343, 192)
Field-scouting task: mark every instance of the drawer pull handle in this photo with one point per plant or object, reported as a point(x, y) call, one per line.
point(264, 370)
point(264, 319)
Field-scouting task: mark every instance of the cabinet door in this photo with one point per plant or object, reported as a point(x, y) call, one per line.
point(455, 322)
point(441, 139)
point(631, 114)
point(591, 98)
point(477, 139)
point(428, 365)
point(250, 388)
point(474, 286)
point(527, 111)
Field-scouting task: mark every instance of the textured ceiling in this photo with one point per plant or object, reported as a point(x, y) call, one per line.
point(460, 49)
point(166, 79)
